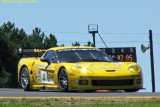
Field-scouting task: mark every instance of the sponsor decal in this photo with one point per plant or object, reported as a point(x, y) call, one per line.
point(50, 81)
point(38, 80)
point(38, 73)
point(99, 68)
point(48, 76)
point(39, 66)
point(92, 64)
point(99, 64)
point(38, 50)
point(77, 49)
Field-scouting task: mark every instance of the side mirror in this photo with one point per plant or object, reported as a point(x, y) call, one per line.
point(46, 60)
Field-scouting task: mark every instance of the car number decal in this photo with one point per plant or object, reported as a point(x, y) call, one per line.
point(44, 77)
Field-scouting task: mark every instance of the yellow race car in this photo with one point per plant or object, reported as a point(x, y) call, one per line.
point(78, 68)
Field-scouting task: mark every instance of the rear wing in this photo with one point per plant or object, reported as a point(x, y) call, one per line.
point(29, 51)
point(25, 50)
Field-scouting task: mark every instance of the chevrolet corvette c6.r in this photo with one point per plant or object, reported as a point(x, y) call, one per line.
point(78, 68)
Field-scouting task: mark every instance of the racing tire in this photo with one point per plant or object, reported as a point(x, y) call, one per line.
point(131, 90)
point(25, 79)
point(63, 80)
point(89, 91)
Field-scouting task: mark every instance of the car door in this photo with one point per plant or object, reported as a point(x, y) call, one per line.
point(44, 70)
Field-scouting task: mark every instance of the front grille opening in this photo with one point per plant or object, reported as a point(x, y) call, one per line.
point(112, 82)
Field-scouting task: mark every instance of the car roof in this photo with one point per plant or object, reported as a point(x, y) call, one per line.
point(71, 47)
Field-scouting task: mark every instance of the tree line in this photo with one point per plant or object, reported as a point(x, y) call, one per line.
point(11, 39)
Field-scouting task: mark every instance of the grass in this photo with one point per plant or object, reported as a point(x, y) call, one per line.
point(78, 102)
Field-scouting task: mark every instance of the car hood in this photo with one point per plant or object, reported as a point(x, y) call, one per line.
point(107, 68)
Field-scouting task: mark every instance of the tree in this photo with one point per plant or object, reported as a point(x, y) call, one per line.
point(9, 42)
point(4, 78)
point(11, 39)
point(62, 45)
point(36, 39)
point(89, 44)
point(50, 41)
point(76, 44)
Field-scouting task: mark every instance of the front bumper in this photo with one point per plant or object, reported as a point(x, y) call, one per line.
point(106, 83)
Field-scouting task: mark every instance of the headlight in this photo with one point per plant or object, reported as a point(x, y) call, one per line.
point(87, 71)
point(84, 70)
point(134, 68)
point(78, 68)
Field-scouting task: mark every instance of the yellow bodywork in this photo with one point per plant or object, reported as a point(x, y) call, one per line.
point(83, 75)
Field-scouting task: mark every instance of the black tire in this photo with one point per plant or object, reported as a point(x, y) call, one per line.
point(63, 79)
point(25, 79)
point(131, 90)
point(90, 91)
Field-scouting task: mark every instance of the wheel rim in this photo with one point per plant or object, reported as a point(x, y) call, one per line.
point(63, 79)
point(24, 78)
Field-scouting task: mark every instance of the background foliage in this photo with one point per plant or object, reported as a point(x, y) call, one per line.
point(11, 39)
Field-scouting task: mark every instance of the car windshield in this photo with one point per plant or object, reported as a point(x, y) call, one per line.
point(83, 55)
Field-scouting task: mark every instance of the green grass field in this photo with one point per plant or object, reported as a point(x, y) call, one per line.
point(85, 102)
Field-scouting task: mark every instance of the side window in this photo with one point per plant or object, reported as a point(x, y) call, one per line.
point(50, 55)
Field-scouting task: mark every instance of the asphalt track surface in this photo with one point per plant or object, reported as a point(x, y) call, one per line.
point(7, 92)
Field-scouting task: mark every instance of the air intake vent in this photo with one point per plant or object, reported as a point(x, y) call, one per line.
point(112, 82)
point(110, 70)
